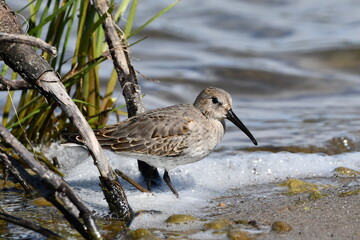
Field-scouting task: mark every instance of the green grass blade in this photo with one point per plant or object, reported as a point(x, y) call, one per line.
point(22, 120)
point(140, 40)
point(25, 7)
point(122, 8)
point(131, 17)
point(72, 17)
point(50, 17)
point(83, 102)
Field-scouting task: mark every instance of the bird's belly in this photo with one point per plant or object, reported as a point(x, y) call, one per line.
point(170, 162)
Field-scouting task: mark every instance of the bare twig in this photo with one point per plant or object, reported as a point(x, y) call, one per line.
point(114, 193)
point(126, 73)
point(6, 84)
point(121, 60)
point(53, 188)
point(7, 164)
point(130, 180)
point(29, 225)
point(36, 71)
point(29, 40)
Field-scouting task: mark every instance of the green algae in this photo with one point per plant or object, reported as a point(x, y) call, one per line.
point(315, 195)
point(219, 224)
point(180, 218)
point(235, 234)
point(8, 184)
point(41, 202)
point(349, 193)
point(296, 186)
point(281, 227)
point(346, 172)
point(142, 234)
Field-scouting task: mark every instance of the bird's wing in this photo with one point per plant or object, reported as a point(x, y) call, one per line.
point(158, 135)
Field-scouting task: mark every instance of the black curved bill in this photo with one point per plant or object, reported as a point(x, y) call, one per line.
point(235, 120)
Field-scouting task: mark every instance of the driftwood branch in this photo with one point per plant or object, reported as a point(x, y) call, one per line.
point(121, 61)
point(53, 188)
point(114, 193)
point(24, 60)
point(29, 40)
point(6, 84)
point(125, 71)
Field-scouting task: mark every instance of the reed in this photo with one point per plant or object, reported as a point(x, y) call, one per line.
point(74, 28)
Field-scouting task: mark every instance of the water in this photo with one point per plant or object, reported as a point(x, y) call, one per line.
point(292, 68)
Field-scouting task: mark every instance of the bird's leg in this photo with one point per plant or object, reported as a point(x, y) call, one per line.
point(148, 177)
point(168, 182)
point(149, 173)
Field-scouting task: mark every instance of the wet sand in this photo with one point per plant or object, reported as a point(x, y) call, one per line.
point(332, 216)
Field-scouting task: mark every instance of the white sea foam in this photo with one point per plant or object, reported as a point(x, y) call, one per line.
point(199, 182)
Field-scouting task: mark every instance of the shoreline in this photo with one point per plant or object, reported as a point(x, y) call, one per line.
point(333, 215)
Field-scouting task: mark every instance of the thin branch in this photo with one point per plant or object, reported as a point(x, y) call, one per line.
point(29, 225)
point(52, 187)
point(125, 71)
point(30, 40)
point(114, 193)
point(9, 85)
point(130, 180)
point(24, 60)
point(11, 168)
point(121, 61)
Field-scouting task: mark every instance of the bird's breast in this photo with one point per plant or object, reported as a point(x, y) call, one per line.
point(205, 137)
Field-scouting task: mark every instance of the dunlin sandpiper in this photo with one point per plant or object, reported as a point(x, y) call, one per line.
point(172, 136)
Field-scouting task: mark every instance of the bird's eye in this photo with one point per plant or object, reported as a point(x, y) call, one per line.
point(215, 100)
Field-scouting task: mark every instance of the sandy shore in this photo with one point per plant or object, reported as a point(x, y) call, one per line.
point(335, 215)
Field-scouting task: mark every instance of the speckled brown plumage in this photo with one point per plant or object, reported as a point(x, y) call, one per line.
point(172, 136)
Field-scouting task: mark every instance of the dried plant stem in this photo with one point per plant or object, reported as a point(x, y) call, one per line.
point(9, 85)
point(53, 188)
point(125, 71)
point(34, 69)
point(29, 40)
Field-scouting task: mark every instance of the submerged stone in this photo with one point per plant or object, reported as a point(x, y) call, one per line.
point(180, 218)
point(281, 227)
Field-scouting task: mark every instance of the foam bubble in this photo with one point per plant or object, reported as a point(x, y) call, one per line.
point(202, 181)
